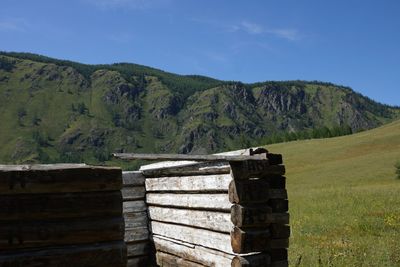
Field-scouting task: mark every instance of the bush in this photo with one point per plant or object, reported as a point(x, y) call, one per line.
point(398, 169)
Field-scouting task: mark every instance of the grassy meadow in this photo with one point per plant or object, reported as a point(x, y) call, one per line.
point(344, 199)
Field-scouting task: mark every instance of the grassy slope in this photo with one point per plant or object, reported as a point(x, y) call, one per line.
point(344, 199)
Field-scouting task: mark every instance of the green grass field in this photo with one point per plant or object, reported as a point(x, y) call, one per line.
point(344, 199)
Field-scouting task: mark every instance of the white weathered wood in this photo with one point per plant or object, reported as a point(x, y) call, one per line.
point(166, 164)
point(135, 219)
point(133, 178)
point(203, 201)
point(190, 183)
point(189, 170)
point(212, 220)
point(138, 249)
point(136, 234)
point(133, 192)
point(205, 256)
point(180, 157)
point(201, 237)
point(134, 206)
point(169, 260)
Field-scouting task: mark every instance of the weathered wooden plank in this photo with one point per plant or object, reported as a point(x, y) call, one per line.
point(253, 191)
point(213, 183)
point(99, 255)
point(255, 240)
point(58, 179)
point(136, 234)
point(63, 205)
point(28, 234)
point(198, 254)
point(136, 219)
point(262, 259)
point(242, 170)
point(202, 201)
point(138, 248)
point(168, 260)
point(194, 170)
point(134, 206)
point(201, 237)
point(260, 215)
point(133, 192)
point(133, 178)
point(178, 157)
point(141, 261)
point(212, 220)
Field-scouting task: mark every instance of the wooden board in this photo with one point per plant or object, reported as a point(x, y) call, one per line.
point(242, 170)
point(198, 254)
point(141, 261)
point(63, 205)
point(138, 248)
point(133, 192)
point(58, 179)
point(99, 255)
point(219, 201)
point(136, 234)
point(255, 240)
point(253, 191)
point(260, 215)
point(134, 206)
point(212, 220)
point(135, 219)
point(133, 178)
point(257, 260)
point(201, 237)
point(186, 171)
point(210, 183)
point(169, 260)
point(29, 234)
point(190, 157)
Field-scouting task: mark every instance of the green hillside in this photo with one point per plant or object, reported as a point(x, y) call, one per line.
point(344, 199)
point(60, 111)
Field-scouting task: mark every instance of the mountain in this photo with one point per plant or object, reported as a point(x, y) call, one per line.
point(55, 110)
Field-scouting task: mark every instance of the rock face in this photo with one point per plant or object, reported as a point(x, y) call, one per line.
point(75, 112)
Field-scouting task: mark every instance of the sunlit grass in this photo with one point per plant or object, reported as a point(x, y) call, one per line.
point(344, 199)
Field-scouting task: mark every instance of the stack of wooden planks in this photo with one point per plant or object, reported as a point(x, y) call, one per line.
point(61, 215)
point(219, 214)
point(139, 249)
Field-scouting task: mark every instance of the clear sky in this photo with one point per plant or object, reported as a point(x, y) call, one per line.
point(348, 42)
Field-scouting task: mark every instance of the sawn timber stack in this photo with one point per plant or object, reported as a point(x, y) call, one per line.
point(61, 215)
point(219, 213)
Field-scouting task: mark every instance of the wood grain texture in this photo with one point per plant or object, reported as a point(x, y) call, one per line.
point(242, 170)
point(63, 205)
point(34, 234)
point(138, 248)
point(133, 192)
point(134, 206)
point(58, 178)
point(203, 201)
point(212, 220)
point(190, 157)
point(136, 219)
point(253, 191)
point(198, 254)
point(136, 234)
point(255, 240)
point(201, 237)
point(169, 260)
point(133, 178)
point(261, 259)
point(253, 216)
point(211, 183)
point(99, 255)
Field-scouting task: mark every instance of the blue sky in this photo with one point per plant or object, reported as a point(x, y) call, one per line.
point(348, 42)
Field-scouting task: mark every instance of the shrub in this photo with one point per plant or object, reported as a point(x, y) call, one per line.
point(398, 169)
